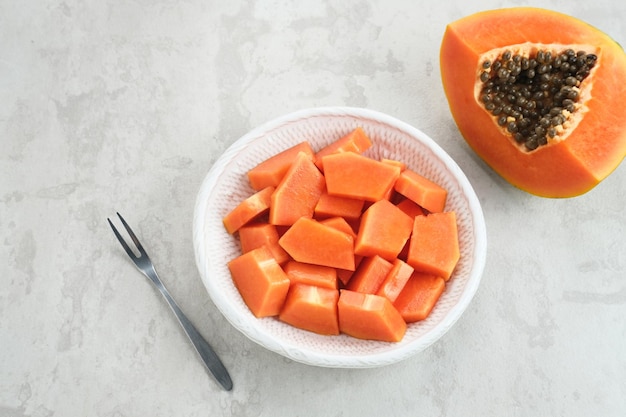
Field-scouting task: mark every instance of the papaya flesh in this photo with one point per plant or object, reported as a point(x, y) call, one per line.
point(570, 141)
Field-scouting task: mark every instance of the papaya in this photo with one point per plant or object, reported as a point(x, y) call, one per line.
point(297, 193)
point(262, 283)
point(533, 92)
point(271, 171)
point(369, 316)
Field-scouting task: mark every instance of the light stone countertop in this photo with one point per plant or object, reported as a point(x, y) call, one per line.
point(114, 105)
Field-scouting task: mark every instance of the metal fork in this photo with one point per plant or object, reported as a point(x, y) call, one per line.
point(143, 263)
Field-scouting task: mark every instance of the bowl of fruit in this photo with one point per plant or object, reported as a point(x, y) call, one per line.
point(339, 237)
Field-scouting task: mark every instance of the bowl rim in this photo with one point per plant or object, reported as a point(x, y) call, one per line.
point(313, 357)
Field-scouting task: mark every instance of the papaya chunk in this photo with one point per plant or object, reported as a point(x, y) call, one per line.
point(370, 275)
point(418, 296)
point(421, 190)
point(311, 308)
point(336, 206)
point(586, 137)
point(356, 176)
point(309, 241)
point(383, 231)
point(262, 283)
point(369, 316)
point(434, 244)
point(249, 209)
point(395, 280)
point(356, 141)
point(297, 193)
point(270, 172)
point(255, 235)
point(310, 274)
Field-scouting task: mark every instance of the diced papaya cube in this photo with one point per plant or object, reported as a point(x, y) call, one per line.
point(421, 190)
point(355, 141)
point(271, 171)
point(352, 175)
point(369, 275)
point(297, 193)
point(419, 295)
point(309, 241)
point(255, 235)
point(395, 280)
point(311, 308)
point(383, 231)
point(249, 209)
point(369, 316)
point(262, 283)
point(434, 244)
point(340, 224)
point(336, 206)
point(309, 274)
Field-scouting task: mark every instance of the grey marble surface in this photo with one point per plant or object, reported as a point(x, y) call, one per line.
point(123, 106)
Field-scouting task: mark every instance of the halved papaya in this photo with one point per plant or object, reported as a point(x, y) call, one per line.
point(537, 95)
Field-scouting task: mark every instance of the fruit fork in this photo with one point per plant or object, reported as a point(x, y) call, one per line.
point(145, 265)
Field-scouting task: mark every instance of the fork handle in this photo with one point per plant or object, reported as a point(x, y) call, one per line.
point(206, 352)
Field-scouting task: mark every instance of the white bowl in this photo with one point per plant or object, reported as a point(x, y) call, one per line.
point(226, 185)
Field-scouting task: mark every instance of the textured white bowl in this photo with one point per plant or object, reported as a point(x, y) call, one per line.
point(226, 185)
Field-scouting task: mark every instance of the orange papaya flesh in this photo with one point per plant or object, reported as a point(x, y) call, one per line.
point(269, 172)
point(395, 280)
point(419, 296)
point(421, 190)
point(340, 224)
point(336, 206)
point(249, 209)
point(310, 241)
point(383, 231)
point(255, 235)
point(310, 274)
point(411, 208)
point(434, 244)
point(369, 275)
point(345, 275)
point(369, 316)
point(355, 141)
point(311, 308)
point(297, 193)
point(262, 283)
point(590, 142)
point(356, 176)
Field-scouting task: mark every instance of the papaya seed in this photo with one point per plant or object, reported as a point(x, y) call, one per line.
point(537, 92)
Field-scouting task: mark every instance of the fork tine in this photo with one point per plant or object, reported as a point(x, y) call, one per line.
point(122, 241)
point(132, 236)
